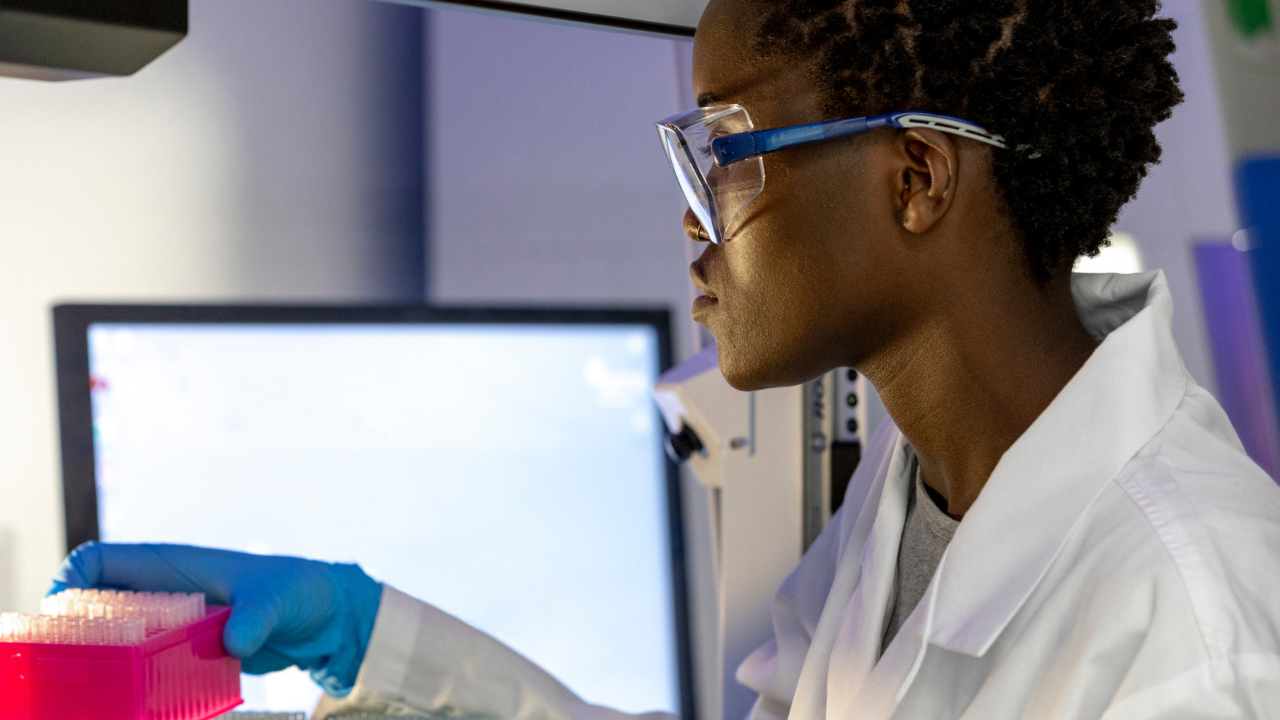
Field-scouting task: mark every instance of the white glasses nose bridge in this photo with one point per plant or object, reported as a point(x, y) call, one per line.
point(714, 194)
point(698, 193)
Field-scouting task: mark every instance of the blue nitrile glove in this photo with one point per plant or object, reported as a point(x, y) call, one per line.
point(285, 611)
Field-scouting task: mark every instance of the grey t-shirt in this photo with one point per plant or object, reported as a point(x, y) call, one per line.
point(925, 536)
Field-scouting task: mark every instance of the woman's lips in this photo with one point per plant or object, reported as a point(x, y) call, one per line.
point(698, 274)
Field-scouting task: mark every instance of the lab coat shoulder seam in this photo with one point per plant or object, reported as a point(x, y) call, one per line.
point(1152, 499)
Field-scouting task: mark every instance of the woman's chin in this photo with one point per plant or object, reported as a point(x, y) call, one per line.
point(754, 367)
point(741, 372)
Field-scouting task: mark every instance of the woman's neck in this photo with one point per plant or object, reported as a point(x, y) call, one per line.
point(967, 382)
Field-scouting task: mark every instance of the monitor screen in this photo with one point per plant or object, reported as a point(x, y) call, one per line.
point(507, 469)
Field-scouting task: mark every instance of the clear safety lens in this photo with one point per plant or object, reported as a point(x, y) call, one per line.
point(716, 194)
point(691, 180)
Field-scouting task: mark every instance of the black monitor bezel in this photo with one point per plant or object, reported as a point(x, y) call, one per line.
point(71, 324)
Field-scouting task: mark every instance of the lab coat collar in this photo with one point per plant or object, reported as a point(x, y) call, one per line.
point(1122, 396)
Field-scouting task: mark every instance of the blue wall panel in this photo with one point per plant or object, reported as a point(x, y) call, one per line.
point(1258, 191)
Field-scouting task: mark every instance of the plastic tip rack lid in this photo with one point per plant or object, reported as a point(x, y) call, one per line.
point(160, 611)
point(102, 617)
point(70, 630)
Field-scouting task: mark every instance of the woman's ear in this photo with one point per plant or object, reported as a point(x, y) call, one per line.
point(928, 177)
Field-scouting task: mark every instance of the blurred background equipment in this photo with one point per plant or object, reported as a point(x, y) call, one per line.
point(775, 464)
point(1244, 37)
point(658, 17)
point(75, 39)
point(506, 465)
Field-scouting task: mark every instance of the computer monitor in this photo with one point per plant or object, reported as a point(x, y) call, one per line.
point(503, 465)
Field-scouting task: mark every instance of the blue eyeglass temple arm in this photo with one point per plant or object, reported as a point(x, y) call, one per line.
point(735, 148)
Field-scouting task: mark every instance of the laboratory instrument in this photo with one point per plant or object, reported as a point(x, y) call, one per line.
point(663, 18)
point(79, 39)
point(775, 464)
point(76, 39)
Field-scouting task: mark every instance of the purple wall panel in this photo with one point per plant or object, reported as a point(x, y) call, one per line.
point(1239, 357)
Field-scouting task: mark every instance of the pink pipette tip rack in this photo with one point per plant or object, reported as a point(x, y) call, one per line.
point(109, 655)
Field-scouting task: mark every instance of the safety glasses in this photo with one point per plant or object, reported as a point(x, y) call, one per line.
point(715, 153)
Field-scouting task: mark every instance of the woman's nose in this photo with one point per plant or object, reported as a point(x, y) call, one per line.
point(693, 228)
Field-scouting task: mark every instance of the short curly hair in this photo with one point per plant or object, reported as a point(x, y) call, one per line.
point(1076, 88)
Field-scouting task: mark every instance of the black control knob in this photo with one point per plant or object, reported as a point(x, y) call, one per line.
point(683, 444)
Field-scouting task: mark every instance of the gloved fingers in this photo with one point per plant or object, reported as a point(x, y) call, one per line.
point(82, 568)
point(153, 568)
point(251, 623)
point(265, 661)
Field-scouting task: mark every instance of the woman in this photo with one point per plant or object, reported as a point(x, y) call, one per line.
point(1057, 523)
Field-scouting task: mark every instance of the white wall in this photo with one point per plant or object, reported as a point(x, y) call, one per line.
point(548, 184)
point(270, 155)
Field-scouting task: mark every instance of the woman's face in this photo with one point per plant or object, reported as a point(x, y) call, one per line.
point(813, 270)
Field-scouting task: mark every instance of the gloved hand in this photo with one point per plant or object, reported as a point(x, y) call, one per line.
point(285, 611)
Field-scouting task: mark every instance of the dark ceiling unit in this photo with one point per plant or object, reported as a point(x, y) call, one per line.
point(71, 39)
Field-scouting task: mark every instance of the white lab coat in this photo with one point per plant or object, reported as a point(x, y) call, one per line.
point(1123, 561)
